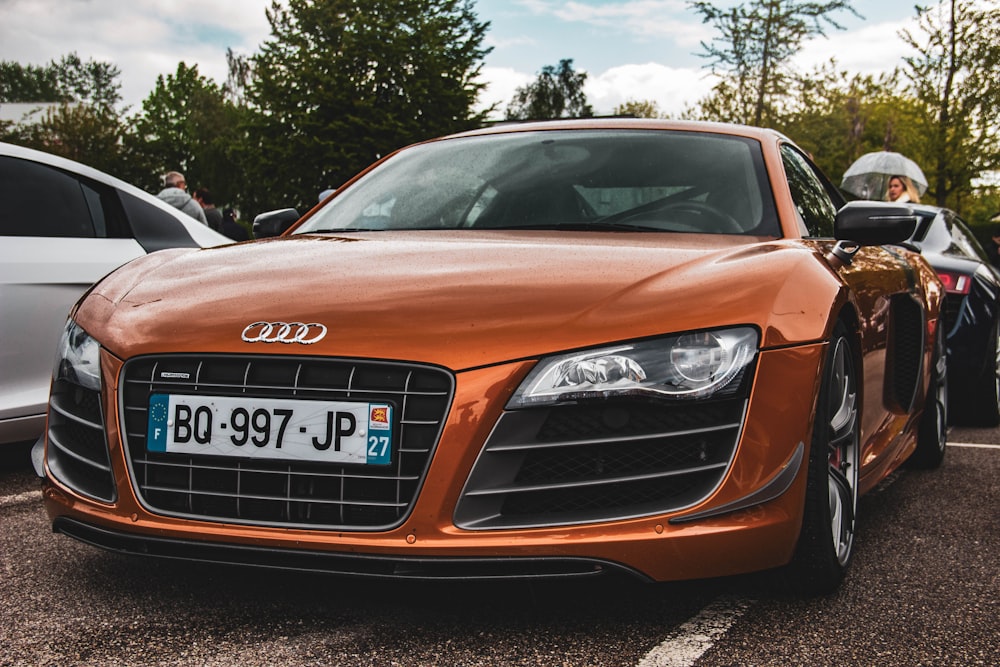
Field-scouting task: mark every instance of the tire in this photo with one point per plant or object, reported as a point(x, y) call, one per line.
point(826, 540)
point(932, 435)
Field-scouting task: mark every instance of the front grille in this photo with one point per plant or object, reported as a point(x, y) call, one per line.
point(286, 493)
point(77, 451)
point(601, 462)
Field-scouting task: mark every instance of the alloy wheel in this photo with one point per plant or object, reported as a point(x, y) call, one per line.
point(842, 469)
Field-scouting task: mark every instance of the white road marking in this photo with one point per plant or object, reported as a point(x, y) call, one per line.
point(974, 445)
point(20, 498)
point(691, 639)
point(696, 636)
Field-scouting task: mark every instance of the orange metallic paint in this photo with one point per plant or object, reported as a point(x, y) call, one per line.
point(456, 292)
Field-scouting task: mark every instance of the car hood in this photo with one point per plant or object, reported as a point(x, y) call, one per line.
point(460, 300)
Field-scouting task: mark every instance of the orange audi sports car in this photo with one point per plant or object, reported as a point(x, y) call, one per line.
point(537, 350)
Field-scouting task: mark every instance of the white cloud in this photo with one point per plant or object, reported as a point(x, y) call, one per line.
point(671, 88)
point(143, 38)
point(501, 84)
point(147, 38)
point(871, 49)
point(665, 19)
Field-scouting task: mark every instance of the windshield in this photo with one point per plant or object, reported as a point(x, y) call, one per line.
point(581, 179)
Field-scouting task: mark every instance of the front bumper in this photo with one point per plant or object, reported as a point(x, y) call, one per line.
point(427, 543)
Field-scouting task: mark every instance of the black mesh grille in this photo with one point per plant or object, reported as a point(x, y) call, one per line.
point(265, 492)
point(601, 461)
point(77, 450)
point(906, 351)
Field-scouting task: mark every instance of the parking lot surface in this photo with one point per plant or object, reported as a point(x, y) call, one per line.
point(922, 590)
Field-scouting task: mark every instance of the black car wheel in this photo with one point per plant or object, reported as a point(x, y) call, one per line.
point(932, 436)
point(827, 538)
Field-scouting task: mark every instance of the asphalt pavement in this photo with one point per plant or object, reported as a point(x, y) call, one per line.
point(922, 590)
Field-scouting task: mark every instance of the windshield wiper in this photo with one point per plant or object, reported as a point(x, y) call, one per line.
point(595, 226)
point(341, 230)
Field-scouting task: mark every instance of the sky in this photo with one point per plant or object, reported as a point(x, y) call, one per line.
point(630, 49)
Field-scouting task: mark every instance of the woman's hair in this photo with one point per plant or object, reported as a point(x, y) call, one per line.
point(908, 187)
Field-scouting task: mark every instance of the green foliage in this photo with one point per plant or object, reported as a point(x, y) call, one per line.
point(752, 54)
point(186, 124)
point(28, 83)
point(556, 93)
point(84, 126)
point(983, 213)
point(839, 117)
point(341, 83)
point(956, 79)
point(88, 134)
point(639, 109)
point(66, 80)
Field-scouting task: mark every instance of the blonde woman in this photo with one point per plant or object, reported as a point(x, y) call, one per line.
point(902, 190)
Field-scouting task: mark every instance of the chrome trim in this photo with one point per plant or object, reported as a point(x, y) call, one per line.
point(493, 479)
point(304, 333)
point(513, 488)
point(288, 494)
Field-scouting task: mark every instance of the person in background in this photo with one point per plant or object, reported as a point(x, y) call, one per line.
point(233, 229)
point(902, 190)
point(174, 192)
point(207, 202)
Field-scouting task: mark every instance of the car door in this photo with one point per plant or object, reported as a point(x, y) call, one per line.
point(59, 233)
point(893, 321)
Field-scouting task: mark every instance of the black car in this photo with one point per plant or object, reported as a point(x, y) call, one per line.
point(971, 314)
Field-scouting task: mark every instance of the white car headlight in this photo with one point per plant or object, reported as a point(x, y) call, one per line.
point(691, 365)
point(78, 358)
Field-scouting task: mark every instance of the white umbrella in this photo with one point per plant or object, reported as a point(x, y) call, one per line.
point(869, 176)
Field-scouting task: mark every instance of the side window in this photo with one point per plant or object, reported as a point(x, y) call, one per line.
point(811, 199)
point(41, 201)
point(967, 242)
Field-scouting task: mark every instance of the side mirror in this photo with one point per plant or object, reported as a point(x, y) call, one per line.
point(274, 223)
point(874, 223)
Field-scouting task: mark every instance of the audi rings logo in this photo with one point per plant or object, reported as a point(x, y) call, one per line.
point(284, 332)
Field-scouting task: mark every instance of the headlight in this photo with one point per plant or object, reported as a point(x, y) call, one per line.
point(78, 358)
point(691, 365)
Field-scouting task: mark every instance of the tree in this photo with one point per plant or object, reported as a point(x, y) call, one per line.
point(639, 109)
point(753, 53)
point(28, 83)
point(83, 124)
point(92, 82)
point(956, 78)
point(838, 117)
point(81, 132)
point(556, 93)
point(186, 124)
point(342, 82)
point(238, 80)
point(66, 80)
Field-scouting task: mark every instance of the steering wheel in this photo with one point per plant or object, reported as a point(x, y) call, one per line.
point(703, 217)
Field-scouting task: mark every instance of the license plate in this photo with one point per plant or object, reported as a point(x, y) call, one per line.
point(271, 428)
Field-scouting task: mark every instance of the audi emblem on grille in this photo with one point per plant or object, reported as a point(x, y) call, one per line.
point(284, 332)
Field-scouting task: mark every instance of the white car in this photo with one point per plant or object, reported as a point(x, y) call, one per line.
point(63, 226)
